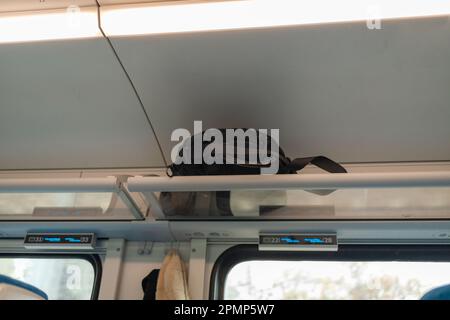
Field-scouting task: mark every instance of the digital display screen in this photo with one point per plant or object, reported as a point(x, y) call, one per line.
point(298, 241)
point(79, 240)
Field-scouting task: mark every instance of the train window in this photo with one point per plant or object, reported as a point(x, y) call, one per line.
point(61, 278)
point(387, 273)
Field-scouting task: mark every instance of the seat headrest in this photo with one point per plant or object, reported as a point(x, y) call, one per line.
point(439, 293)
point(12, 289)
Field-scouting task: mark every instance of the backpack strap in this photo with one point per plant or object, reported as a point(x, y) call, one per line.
point(321, 162)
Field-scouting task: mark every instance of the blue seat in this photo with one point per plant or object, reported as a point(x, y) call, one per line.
point(439, 293)
point(13, 283)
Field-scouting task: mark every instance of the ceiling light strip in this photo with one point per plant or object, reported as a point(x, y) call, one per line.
point(180, 16)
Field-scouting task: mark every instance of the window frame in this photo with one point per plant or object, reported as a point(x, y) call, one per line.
point(93, 259)
point(249, 252)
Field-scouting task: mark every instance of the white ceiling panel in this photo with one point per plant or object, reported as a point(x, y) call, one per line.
point(32, 5)
point(68, 105)
point(341, 90)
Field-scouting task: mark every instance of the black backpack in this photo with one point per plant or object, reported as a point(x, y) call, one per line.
point(218, 202)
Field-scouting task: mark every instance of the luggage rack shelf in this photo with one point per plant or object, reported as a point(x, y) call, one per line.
point(379, 195)
point(68, 199)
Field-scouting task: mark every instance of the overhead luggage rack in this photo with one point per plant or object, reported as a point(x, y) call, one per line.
point(310, 196)
point(352, 196)
point(68, 199)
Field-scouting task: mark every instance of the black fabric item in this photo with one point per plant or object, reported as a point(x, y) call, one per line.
point(149, 285)
point(222, 169)
point(286, 165)
point(321, 162)
point(181, 203)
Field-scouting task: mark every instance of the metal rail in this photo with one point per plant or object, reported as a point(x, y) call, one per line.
point(291, 181)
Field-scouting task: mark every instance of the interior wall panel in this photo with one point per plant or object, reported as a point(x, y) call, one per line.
point(342, 90)
point(67, 104)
